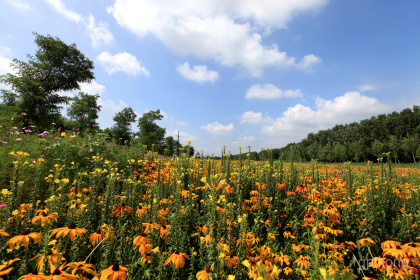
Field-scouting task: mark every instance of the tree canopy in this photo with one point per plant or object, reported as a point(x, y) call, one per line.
point(56, 67)
point(150, 133)
point(84, 110)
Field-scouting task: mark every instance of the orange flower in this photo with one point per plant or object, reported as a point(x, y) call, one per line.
point(6, 264)
point(204, 274)
point(119, 210)
point(177, 259)
point(96, 237)
point(231, 261)
point(163, 231)
point(2, 232)
point(59, 274)
point(303, 262)
point(44, 219)
point(82, 267)
point(114, 272)
point(33, 276)
point(71, 230)
point(309, 218)
point(24, 238)
point(141, 211)
point(366, 242)
point(141, 240)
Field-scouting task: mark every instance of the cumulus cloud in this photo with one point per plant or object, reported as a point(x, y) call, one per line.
point(254, 118)
point(20, 4)
point(5, 61)
point(122, 62)
point(217, 128)
point(244, 141)
point(269, 91)
point(297, 121)
point(368, 88)
point(183, 136)
point(229, 32)
point(59, 6)
point(99, 33)
point(198, 73)
point(92, 88)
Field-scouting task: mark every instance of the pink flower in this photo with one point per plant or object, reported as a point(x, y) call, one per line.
point(3, 205)
point(18, 139)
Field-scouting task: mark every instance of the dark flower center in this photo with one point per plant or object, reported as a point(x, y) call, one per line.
point(72, 226)
point(44, 215)
point(398, 247)
point(207, 269)
point(164, 227)
point(25, 232)
point(115, 267)
point(56, 272)
point(140, 207)
point(80, 266)
point(98, 231)
point(412, 245)
point(177, 252)
point(123, 205)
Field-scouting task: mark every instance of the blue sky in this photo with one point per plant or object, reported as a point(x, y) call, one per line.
point(238, 72)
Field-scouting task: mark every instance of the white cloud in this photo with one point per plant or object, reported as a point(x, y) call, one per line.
point(5, 61)
point(217, 128)
point(99, 33)
point(269, 91)
point(368, 88)
point(181, 123)
point(229, 32)
point(183, 136)
point(198, 73)
point(61, 8)
point(309, 61)
point(92, 88)
point(244, 142)
point(254, 118)
point(123, 62)
point(296, 122)
point(20, 4)
point(110, 105)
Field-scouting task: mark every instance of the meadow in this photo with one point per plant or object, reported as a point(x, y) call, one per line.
point(79, 207)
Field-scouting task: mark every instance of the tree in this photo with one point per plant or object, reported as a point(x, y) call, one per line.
point(84, 110)
point(170, 146)
point(150, 133)
point(122, 129)
point(56, 67)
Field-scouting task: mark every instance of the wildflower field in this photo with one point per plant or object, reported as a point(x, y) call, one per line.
point(78, 207)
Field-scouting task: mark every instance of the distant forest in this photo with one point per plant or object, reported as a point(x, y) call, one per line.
point(367, 140)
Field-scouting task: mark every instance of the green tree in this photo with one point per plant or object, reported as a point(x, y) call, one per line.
point(84, 110)
point(121, 131)
point(150, 133)
point(56, 67)
point(170, 146)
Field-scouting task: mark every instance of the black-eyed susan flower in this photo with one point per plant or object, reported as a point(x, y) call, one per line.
point(303, 262)
point(177, 259)
point(44, 219)
point(96, 237)
point(366, 242)
point(71, 230)
point(204, 274)
point(81, 267)
point(3, 267)
point(24, 238)
point(119, 210)
point(141, 240)
point(114, 272)
point(33, 276)
point(231, 261)
point(58, 273)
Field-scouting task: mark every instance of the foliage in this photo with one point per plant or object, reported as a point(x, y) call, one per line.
point(37, 83)
point(84, 110)
point(150, 134)
point(121, 131)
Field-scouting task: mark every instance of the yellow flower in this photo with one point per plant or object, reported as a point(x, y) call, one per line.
point(24, 238)
point(323, 272)
point(177, 259)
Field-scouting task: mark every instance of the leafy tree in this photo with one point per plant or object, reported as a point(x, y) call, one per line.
point(170, 146)
point(56, 67)
point(84, 110)
point(150, 133)
point(122, 129)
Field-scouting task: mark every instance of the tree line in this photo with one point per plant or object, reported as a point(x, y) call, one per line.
point(34, 100)
point(397, 133)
